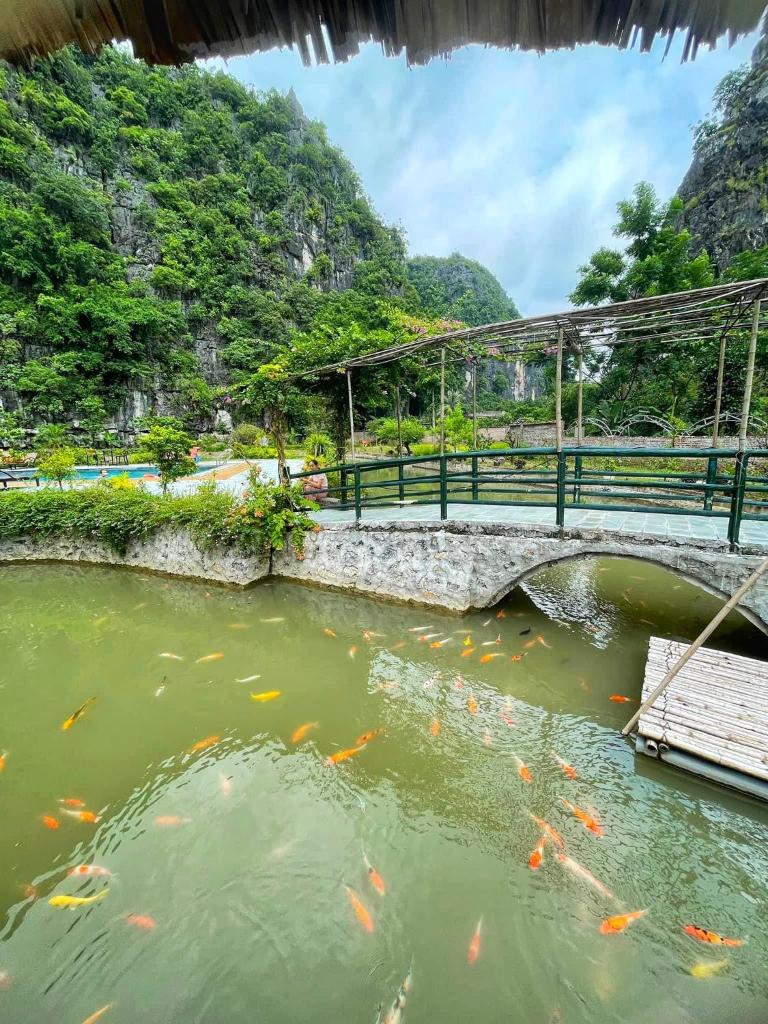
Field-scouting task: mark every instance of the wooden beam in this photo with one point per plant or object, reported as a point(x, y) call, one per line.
point(580, 401)
point(750, 376)
point(351, 413)
point(442, 401)
point(719, 392)
point(559, 392)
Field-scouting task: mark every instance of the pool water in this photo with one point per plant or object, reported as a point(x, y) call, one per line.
point(229, 864)
point(133, 472)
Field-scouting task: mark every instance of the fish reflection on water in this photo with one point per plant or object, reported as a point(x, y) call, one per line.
point(445, 813)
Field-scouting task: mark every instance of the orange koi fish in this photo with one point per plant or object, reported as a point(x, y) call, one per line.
point(375, 878)
point(552, 834)
point(87, 816)
point(568, 770)
point(501, 614)
point(209, 741)
point(586, 876)
point(366, 737)
point(216, 656)
point(590, 823)
point(171, 656)
point(265, 695)
point(489, 657)
point(468, 652)
point(522, 769)
point(170, 821)
point(617, 698)
point(3, 759)
point(516, 657)
point(5, 982)
point(614, 925)
point(352, 651)
point(361, 912)
point(141, 921)
point(474, 946)
point(328, 632)
point(507, 720)
point(534, 861)
point(298, 734)
point(528, 644)
point(71, 801)
point(50, 822)
point(344, 755)
point(69, 722)
point(540, 640)
point(472, 705)
point(434, 728)
point(90, 871)
point(98, 1014)
point(712, 937)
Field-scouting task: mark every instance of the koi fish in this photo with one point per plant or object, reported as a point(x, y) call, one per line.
point(3, 759)
point(467, 641)
point(468, 652)
point(50, 822)
point(262, 698)
point(522, 769)
point(487, 622)
point(225, 784)
point(614, 925)
point(434, 728)
point(540, 640)
point(375, 878)
point(534, 861)
point(77, 901)
point(487, 738)
point(707, 969)
point(170, 821)
point(586, 876)
point(276, 618)
point(618, 699)
point(472, 705)
point(525, 632)
point(489, 657)
point(507, 720)
point(141, 921)
point(352, 651)
point(712, 937)
point(329, 632)
point(98, 1014)
point(170, 656)
point(552, 834)
point(5, 980)
point(69, 722)
point(529, 644)
point(361, 912)
point(238, 625)
point(161, 688)
point(417, 629)
point(583, 684)
point(367, 635)
point(366, 737)
point(429, 636)
point(501, 614)
point(568, 770)
point(590, 823)
point(298, 734)
point(71, 801)
point(90, 871)
point(516, 657)
point(87, 816)
point(209, 741)
point(344, 755)
point(474, 946)
point(248, 679)
point(216, 656)
point(400, 644)
point(395, 1013)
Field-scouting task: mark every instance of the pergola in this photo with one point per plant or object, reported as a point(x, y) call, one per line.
point(690, 317)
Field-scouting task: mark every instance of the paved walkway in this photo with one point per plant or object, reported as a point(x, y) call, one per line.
point(637, 524)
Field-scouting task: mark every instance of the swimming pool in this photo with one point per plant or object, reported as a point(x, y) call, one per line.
point(94, 472)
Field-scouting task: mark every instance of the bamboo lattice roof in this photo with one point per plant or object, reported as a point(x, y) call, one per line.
point(175, 31)
point(699, 315)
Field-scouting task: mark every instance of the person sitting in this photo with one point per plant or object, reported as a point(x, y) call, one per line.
point(315, 487)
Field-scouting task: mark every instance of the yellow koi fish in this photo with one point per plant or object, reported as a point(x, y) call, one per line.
point(262, 698)
point(69, 722)
point(708, 969)
point(98, 1014)
point(216, 656)
point(76, 901)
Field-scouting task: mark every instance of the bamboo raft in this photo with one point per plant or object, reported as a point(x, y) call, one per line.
point(712, 719)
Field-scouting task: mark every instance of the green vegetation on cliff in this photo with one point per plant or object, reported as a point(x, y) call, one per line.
point(459, 288)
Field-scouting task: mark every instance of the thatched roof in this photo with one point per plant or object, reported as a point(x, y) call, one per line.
point(174, 31)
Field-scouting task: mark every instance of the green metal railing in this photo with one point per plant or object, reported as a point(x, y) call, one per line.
point(715, 483)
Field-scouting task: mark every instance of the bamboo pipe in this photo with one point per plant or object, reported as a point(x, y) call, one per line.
point(689, 653)
point(442, 401)
point(474, 404)
point(351, 413)
point(749, 377)
point(399, 425)
point(719, 392)
point(559, 392)
point(580, 401)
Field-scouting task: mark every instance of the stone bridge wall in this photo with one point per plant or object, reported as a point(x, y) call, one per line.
point(451, 565)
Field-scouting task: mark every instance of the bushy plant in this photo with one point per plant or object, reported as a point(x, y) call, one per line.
point(386, 431)
point(254, 451)
point(319, 445)
point(425, 449)
point(168, 448)
point(247, 434)
point(59, 465)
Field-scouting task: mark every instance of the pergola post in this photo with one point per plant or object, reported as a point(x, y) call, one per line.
point(750, 376)
point(399, 424)
point(559, 391)
point(719, 391)
point(351, 413)
point(442, 401)
point(580, 401)
point(474, 404)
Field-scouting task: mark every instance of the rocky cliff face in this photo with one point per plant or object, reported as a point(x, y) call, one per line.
point(725, 191)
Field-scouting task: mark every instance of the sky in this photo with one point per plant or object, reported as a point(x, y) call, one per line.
point(511, 159)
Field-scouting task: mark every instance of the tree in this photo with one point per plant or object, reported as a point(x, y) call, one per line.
point(458, 429)
point(93, 417)
point(52, 436)
point(59, 465)
point(386, 430)
point(270, 392)
point(168, 446)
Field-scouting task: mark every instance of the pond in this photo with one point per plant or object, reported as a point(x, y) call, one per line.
point(229, 860)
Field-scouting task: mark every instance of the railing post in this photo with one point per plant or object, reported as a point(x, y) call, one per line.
point(400, 482)
point(358, 496)
point(475, 481)
point(577, 463)
point(343, 482)
point(737, 499)
point(443, 486)
point(560, 504)
point(709, 495)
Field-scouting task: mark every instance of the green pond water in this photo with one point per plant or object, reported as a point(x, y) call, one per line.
point(247, 891)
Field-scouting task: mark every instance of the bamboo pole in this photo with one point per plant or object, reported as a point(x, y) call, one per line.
point(399, 424)
point(442, 401)
point(580, 401)
point(474, 404)
point(559, 391)
point(719, 392)
point(690, 651)
point(749, 377)
point(351, 413)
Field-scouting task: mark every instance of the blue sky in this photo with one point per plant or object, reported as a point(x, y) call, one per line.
point(513, 159)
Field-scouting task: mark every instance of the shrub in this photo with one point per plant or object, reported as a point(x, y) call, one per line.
point(246, 451)
point(319, 445)
point(139, 457)
point(425, 449)
point(168, 448)
point(247, 434)
point(58, 465)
